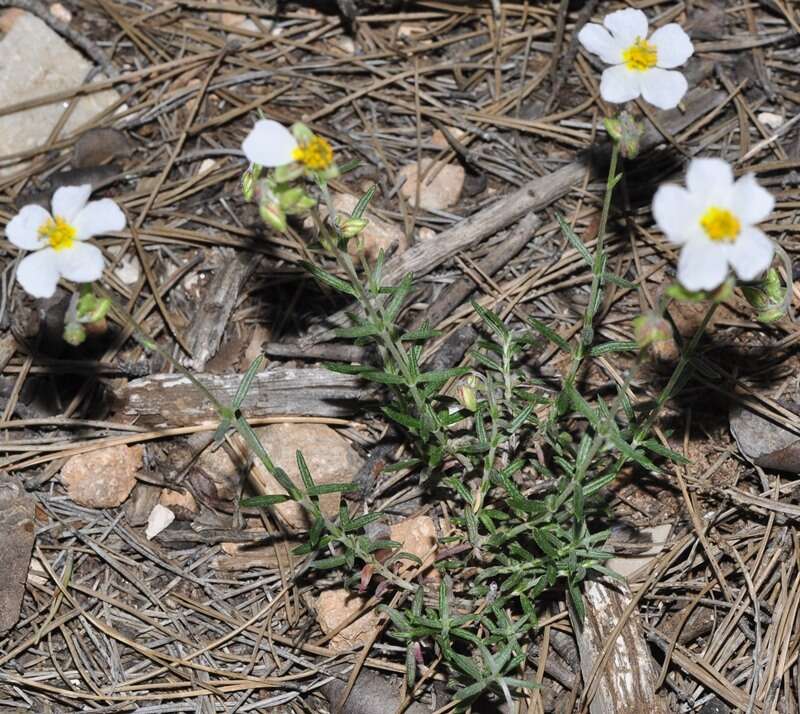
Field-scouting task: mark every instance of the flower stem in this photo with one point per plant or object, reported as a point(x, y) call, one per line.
point(685, 358)
point(598, 268)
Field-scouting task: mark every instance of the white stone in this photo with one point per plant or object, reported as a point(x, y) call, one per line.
point(128, 270)
point(770, 120)
point(206, 166)
point(58, 11)
point(159, 519)
point(36, 62)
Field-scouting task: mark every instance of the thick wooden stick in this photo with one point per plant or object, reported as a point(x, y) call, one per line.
point(168, 400)
point(625, 685)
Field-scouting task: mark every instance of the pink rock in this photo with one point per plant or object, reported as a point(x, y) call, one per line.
point(330, 459)
point(337, 606)
point(102, 478)
point(441, 187)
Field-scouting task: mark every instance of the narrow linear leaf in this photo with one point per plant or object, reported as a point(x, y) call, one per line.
point(549, 334)
point(262, 501)
point(363, 202)
point(344, 368)
point(442, 375)
point(491, 320)
point(325, 488)
point(606, 347)
point(336, 561)
point(325, 277)
point(247, 380)
point(576, 242)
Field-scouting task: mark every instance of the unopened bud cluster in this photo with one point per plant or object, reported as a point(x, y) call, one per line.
point(86, 315)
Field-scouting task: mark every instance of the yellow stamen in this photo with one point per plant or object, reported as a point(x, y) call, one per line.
point(316, 155)
point(58, 233)
point(720, 225)
point(640, 56)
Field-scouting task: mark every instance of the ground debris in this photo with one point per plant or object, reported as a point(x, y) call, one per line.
point(17, 535)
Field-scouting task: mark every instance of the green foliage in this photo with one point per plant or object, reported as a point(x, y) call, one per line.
point(521, 466)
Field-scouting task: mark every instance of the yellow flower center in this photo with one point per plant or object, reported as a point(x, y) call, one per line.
point(316, 155)
point(640, 56)
point(58, 233)
point(720, 225)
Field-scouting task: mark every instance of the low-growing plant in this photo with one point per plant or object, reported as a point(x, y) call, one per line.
point(521, 463)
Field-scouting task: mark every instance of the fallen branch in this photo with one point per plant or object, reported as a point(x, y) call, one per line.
point(167, 400)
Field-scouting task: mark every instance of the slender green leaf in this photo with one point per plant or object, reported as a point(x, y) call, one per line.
point(336, 561)
point(262, 501)
point(617, 346)
point(247, 380)
point(576, 242)
point(325, 277)
point(492, 321)
point(363, 202)
point(549, 334)
point(442, 375)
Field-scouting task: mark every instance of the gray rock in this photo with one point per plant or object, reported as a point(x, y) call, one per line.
point(38, 62)
point(765, 443)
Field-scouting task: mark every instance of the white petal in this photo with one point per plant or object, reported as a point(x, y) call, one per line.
point(751, 254)
point(68, 200)
point(712, 179)
point(82, 263)
point(627, 25)
point(269, 144)
point(703, 265)
point(753, 203)
point(38, 273)
point(98, 217)
point(673, 44)
point(160, 517)
point(676, 212)
point(663, 88)
point(619, 85)
point(23, 229)
point(597, 40)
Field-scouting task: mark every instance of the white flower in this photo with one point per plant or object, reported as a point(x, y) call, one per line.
point(58, 239)
point(269, 144)
point(641, 65)
point(714, 220)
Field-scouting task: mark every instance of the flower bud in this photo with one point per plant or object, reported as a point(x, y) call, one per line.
point(772, 314)
point(649, 329)
point(351, 227)
point(773, 286)
point(466, 394)
point(88, 307)
point(767, 296)
point(273, 215)
point(301, 133)
point(248, 185)
point(330, 173)
point(305, 203)
point(74, 334)
point(287, 173)
point(626, 132)
point(289, 197)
